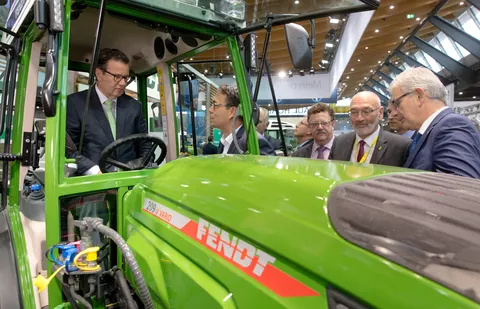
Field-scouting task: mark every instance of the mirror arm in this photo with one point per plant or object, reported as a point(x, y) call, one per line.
point(313, 41)
point(268, 28)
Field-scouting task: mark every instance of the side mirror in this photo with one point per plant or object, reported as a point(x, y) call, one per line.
point(298, 46)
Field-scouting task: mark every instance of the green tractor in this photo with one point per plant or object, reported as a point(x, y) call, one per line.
point(221, 231)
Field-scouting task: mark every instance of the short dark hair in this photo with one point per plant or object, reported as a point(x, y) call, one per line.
point(108, 54)
point(231, 92)
point(321, 108)
point(210, 138)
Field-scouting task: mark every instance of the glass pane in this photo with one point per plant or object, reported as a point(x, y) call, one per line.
point(469, 25)
point(448, 46)
point(463, 51)
point(244, 13)
point(433, 64)
point(421, 59)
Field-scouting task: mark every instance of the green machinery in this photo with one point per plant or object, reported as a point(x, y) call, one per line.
point(207, 231)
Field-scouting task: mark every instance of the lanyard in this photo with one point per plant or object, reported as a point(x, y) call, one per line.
point(362, 160)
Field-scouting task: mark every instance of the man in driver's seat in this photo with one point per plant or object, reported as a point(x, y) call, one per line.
point(111, 114)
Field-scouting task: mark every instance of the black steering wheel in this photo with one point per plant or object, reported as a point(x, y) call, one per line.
point(136, 164)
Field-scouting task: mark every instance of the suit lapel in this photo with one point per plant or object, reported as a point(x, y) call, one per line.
point(346, 153)
point(380, 148)
point(99, 113)
point(425, 135)
point(307, 153)
point(232, 149)
point(122, 113)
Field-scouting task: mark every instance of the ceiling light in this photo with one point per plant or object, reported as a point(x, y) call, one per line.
point(282, 74)
point(348, 77)
point(461, 3)
point(389, 52)
point(324, 61)
point(366, 47)
point(401, 37)
point(344, 19)
point(379, 62)
point(297, 2)
point(338, 40)
point(392, 7)
point(376, 30)
point(418, 18)
point(191, 58)
point(328, 45)
point(380, 77)
point(234, 76)
point(228, 57)
point(358, 60)
point(334, 20)
point(206, 71)
point(352, 69)
point(460, 93)
point(371, 71)
point(474, 97)
point(396, 62)
point(344, 84)
point(408, 53)
point(365, 78)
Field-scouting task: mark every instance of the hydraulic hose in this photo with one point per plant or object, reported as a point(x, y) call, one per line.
point(79, 298)
point(122, 283)
point(132, 263)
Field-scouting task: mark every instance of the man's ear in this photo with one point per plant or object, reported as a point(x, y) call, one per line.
point(381, 110)
point(231, 112)
point(97, 73)
point(421, 96)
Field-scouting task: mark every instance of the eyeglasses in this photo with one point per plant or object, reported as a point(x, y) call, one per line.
point(118, 77)
point(215, 105)
point(396, 102)
point(314, 125)
point(365, 112)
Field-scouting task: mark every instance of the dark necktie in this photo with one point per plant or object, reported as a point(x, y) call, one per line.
point(417, 137)
point(361, 150)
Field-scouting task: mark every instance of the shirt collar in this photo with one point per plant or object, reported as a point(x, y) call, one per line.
point(369, 140)
point(327, 145)
point(229, 138)
point(101, 96)
point(429, 120)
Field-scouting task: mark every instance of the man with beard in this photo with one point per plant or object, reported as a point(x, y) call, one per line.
point(446, 142)
point(321, 119)
point(369, 143)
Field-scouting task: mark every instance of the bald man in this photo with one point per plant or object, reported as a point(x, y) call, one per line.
point(369, 143)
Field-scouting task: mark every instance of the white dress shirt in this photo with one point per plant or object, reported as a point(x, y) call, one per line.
point(429, 120)
point(368, 145)
point(227, 141)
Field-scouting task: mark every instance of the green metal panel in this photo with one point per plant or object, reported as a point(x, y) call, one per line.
point(278, 205)
point(18, 237)
point(55, 155)
point(245, 101)
point(142, 95)
point(177, 121)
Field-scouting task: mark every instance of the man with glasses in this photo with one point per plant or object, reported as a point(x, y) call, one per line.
point(395, 122)
point(321, 123)
point(369, 143)
point(302, 133)
point(446, 142)
point(225, 111)
point(263, 122)
point(111, 114)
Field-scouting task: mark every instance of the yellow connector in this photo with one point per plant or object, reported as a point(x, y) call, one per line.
point(41, 282)
point(91, 256)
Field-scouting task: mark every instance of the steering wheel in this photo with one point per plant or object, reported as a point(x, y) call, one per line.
point(136, 164)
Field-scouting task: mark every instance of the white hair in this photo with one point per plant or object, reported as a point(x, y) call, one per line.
point(421, 78)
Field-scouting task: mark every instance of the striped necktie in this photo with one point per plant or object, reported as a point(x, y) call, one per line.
point(111, 118)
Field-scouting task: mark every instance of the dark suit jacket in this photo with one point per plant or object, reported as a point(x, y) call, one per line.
point(98, 134)
point(209, 149)
point(391, 149)
point(275, 143)
point(451, 144)
point(305, 151)
point(265, 148)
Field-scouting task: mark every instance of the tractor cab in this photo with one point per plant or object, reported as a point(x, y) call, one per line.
point(177, 229)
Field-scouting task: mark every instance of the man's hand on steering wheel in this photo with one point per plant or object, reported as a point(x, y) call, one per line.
point(136, 164)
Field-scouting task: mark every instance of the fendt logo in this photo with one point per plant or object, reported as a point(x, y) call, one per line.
point(237, 250)
point(254, 262)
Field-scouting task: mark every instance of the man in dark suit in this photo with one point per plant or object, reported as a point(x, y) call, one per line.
point(222, 114)
point(209, 148)
point(369, 143)
point(263, 122)
point(446, 142)
point(395, 122)
point(111, 114)
point(321, 122)
point(302, 133)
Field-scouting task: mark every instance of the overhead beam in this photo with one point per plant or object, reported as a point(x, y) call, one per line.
point(385, 77)
point(462, 72)
point(461, 37)
point(383, 98)
point(414, 63)
point(393, 68)
point(475, 3)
